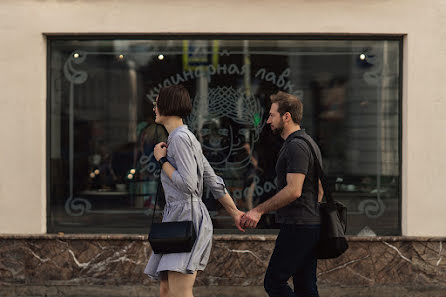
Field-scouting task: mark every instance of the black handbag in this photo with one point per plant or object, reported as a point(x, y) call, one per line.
point(333, 214)
point(172, 237)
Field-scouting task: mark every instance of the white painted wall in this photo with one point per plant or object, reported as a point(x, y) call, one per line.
point(23, 25)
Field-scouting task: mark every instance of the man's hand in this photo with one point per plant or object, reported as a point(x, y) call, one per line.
point(160, 150)
point(251, 218)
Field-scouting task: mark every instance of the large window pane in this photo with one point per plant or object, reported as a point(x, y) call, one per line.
point(103, 177)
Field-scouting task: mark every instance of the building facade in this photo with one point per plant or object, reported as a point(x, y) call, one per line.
point(77, 130)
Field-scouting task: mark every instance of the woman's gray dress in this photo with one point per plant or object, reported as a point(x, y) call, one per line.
point(184, 153)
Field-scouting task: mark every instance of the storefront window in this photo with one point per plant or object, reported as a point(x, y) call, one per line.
point(102, 174)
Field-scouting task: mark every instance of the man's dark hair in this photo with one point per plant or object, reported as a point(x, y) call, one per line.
point(174, 101)
point(288, 103)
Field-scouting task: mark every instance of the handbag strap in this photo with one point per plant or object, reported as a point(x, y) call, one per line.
point(319, 171)
point(158, 192)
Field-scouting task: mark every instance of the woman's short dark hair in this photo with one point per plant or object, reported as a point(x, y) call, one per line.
point(174, 101)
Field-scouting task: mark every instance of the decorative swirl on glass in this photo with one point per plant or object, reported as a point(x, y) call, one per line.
point(73, 75)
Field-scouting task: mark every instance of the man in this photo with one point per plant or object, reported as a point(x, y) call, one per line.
point(296, 202)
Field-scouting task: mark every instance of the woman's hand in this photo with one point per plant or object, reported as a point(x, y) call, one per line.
point(237, 216)
point(160, 150)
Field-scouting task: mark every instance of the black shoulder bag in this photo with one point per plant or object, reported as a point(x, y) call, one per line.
point(172, 237)
point(333, 215)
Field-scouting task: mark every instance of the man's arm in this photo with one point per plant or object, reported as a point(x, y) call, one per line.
point(288, 194)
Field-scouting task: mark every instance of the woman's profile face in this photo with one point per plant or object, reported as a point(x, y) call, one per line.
point(158, 117)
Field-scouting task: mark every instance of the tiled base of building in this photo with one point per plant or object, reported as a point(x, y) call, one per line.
point(112, 265)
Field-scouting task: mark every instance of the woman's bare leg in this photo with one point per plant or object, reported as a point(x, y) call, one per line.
point(181, 285)
point(164, 285)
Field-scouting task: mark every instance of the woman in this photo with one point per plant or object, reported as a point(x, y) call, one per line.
point(184, 171)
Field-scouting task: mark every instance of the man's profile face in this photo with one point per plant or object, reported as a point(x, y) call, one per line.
point(275, 119)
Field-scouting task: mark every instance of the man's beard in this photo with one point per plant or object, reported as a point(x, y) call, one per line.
point(279, 129)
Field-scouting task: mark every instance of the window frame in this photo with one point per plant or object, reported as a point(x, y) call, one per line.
point(50, 37)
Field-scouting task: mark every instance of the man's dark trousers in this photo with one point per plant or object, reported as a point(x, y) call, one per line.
point(293, 256)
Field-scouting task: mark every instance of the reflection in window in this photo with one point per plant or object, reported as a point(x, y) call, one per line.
point(103, 177)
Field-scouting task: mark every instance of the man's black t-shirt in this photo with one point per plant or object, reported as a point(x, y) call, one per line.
point(295, 157)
